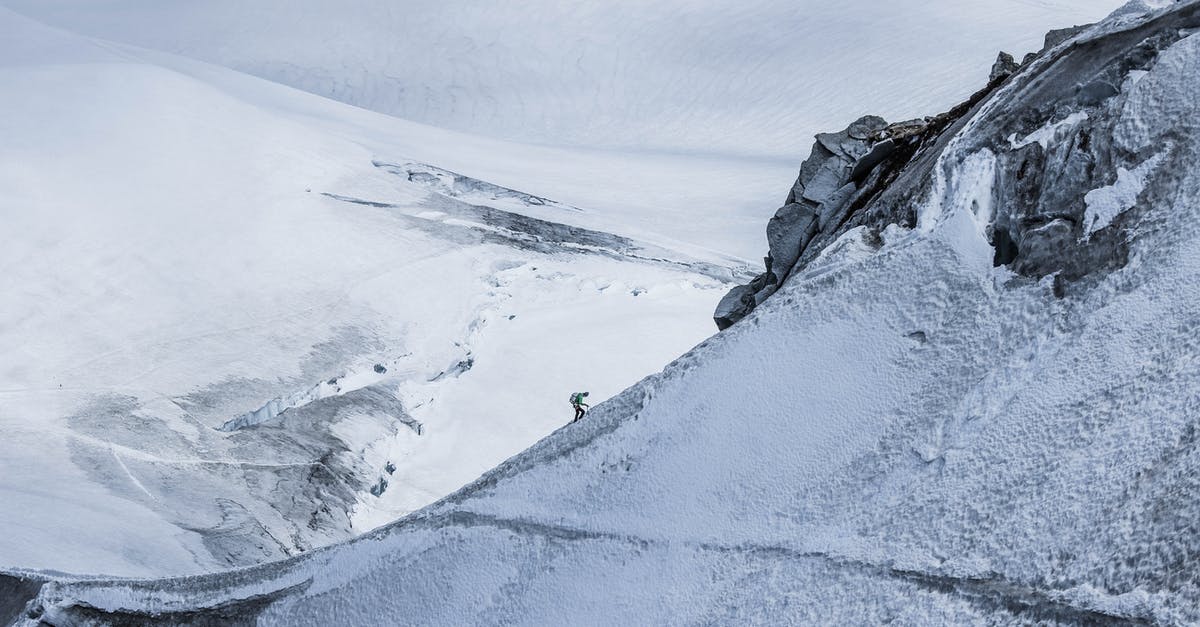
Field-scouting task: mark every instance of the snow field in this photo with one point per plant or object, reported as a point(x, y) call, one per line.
point(753, 78)
point(172, 263)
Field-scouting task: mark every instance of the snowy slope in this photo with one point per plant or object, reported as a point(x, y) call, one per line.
point(754, 77)
point(188, 252)
point(905, 432)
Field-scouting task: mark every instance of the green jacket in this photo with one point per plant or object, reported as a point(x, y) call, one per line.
point(577, 399)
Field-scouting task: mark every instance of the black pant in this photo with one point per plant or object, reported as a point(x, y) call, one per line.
point(579, 412)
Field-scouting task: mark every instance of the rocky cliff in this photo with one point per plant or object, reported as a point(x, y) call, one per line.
point(1046, 143)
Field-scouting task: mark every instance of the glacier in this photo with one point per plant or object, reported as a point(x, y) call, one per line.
point(224, 318)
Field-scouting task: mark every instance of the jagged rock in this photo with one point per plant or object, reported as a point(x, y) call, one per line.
point(827, 182)
point(843, 170)
point(1004, 67)
point(1096, 92)
point(1059, 35)
point(867, 162)
point(835, 204)
point(1042, 247)
point(787, 233)
point(901, 130)
point(1046, 162)
point(734, 306)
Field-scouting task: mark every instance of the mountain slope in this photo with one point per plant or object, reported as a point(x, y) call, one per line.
point(908, 430)
point(226, 317)
point(713, 78)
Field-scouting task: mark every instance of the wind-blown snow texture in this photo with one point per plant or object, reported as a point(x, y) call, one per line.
point(226, 332)
point(753, 77)
point(905, 432)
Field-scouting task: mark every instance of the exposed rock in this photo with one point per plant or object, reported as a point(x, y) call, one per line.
point(828, 181)
point(1046, 161)
point(1041, 247)
point(878, 153)
point(843, 173)
point(787, 234)
point(901, 130)
point(1004, 67)
point(735, 305)
point(15, 594)
point(1096, 92)
point(1059, 35)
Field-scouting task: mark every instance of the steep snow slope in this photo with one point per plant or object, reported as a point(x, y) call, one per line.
point(187, 252)
point(754, 77)
point(904, 432)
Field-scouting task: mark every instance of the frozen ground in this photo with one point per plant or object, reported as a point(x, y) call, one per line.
point(904, 433)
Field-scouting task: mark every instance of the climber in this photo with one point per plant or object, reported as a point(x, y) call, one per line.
point(578, 404)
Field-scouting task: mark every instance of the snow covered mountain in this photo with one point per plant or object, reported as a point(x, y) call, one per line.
point(974, 404)
point(240, 321)
point(753, 77)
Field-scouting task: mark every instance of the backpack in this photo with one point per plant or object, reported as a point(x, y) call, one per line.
point(574, 398)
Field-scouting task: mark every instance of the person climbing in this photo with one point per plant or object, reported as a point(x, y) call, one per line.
point(578, 404)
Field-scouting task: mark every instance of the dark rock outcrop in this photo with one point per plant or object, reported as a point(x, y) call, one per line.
point(1059, 35)
point(1041, 130)
point(829, 179)
point(16, 593)
point(1004, 67)
point(837, 189)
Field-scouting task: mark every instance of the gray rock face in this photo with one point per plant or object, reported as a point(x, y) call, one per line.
point(16, 593)
point(1004, 67)
point(1055, 139)
point(1050, 134)
point(828, 180)
point(843, 174)
point(1059, 35)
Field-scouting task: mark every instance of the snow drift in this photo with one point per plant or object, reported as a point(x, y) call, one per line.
point(916, 427)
